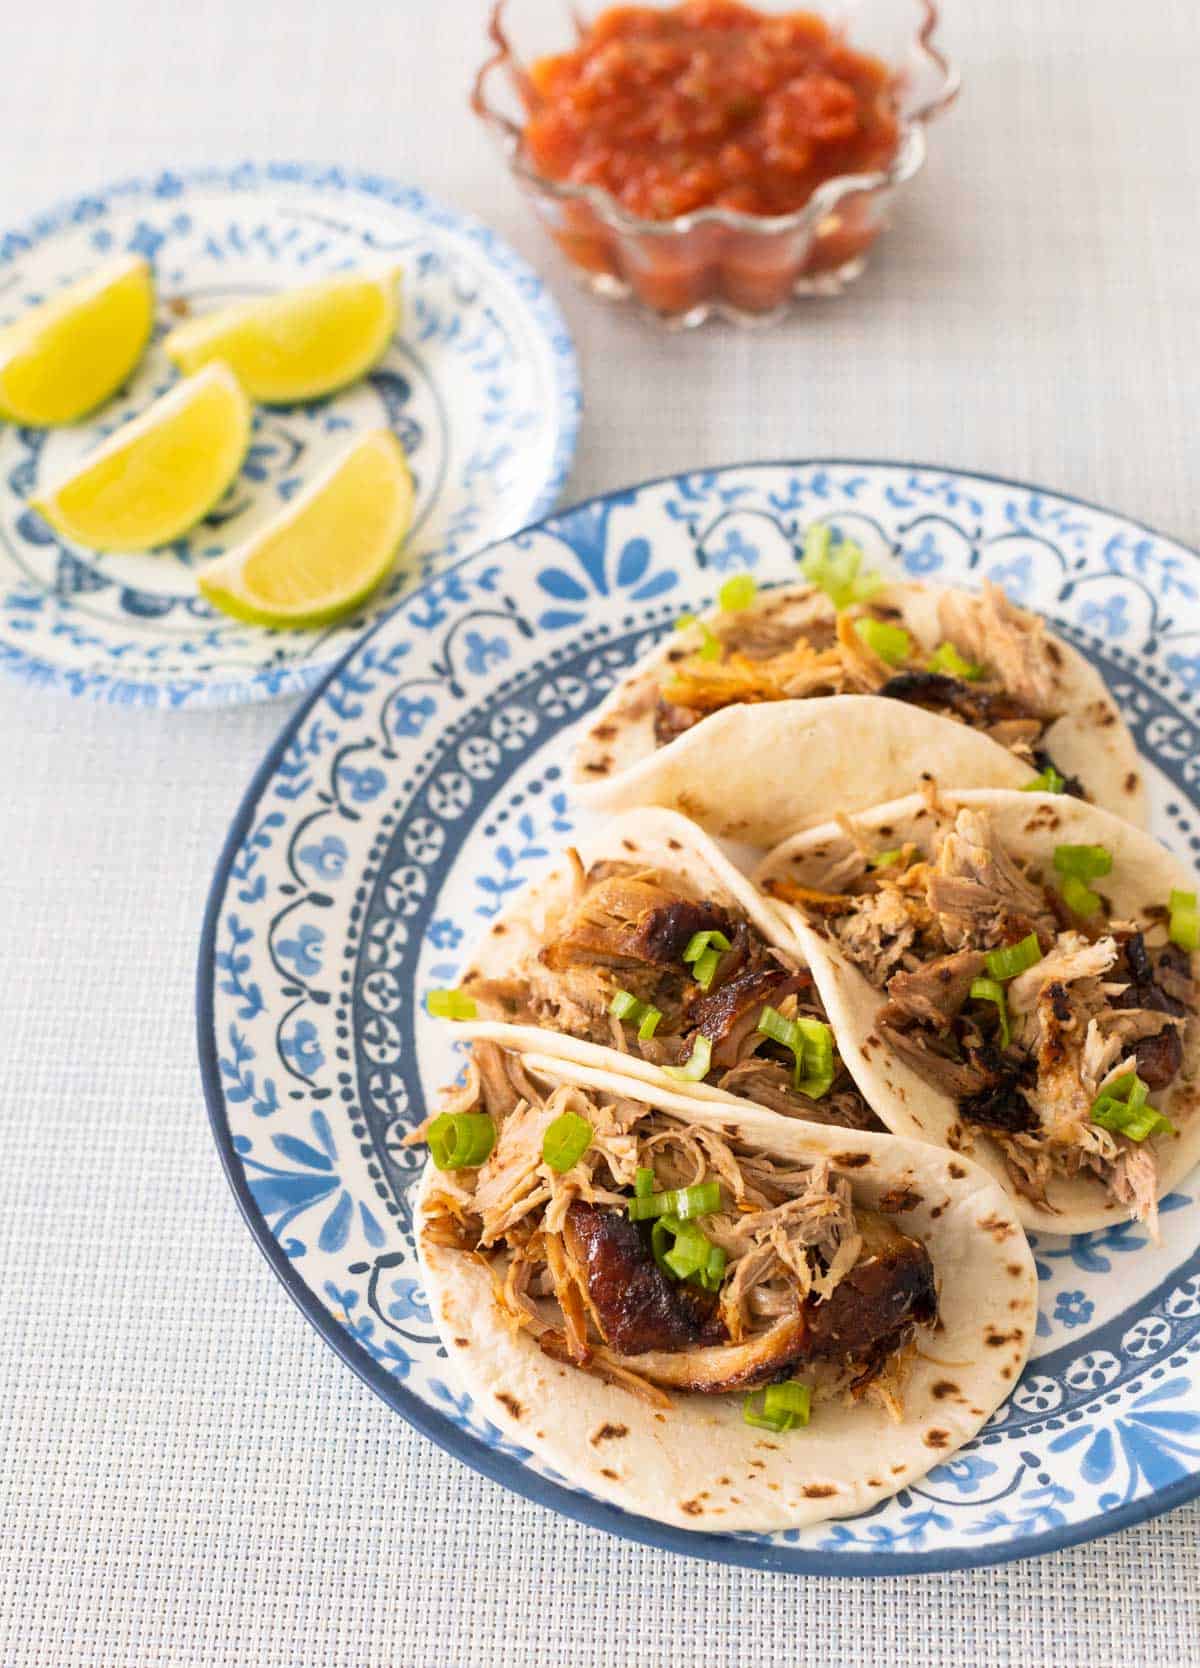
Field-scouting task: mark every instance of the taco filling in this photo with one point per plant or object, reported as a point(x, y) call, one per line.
point(641, 961)
point(663, 1256)
point(996, 669)
point(1051, 1023)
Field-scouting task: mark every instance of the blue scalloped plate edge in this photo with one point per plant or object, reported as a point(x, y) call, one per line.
point(500, 1468)
point(299, 680)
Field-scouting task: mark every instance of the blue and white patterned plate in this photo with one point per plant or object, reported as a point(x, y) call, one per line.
point(419, 788)
point(481, 386)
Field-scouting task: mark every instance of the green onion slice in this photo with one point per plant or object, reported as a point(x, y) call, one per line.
point(699, 942)
point(460, 1140)
point(703, 953)
point(1084, 862)
point(989, 990)
point(698, 1065)
point(811, 1042)
point(886, 859)
point(565, 1142)
point(736, 594)
point(625, 1005)
point(643, 1181)
point(779, 1408)
point(1048, 781)
point(450, 1004)
point(834, 569)
point(710, 647)
point(890, 642)
point(682, 1251)
point(684, 1202)
point(1078, 898)
point(1122, 1109)
point(1012, 959)
point(1184, 927)
point(946, 658)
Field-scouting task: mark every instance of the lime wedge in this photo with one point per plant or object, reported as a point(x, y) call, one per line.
point(299, 344)
point(67, 355)
point(159, 474)
point(328, 550)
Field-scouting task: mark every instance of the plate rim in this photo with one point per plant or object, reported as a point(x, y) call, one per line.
point(533, 291)
point(501, 1468)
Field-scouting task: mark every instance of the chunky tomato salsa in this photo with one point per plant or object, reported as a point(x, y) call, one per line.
point(709, 103)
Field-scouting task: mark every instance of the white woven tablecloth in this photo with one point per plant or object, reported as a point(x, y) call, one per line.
point(187, 1473)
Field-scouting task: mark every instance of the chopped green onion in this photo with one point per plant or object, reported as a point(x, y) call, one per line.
point(704, 950)
point(450, 1004)
point(835, 569)
point(706, 968)
point(886, 859)
point(811, 1043)
point(988, 990)
point(946, 658)
point(1184, 928)
point(1084, 862)
point(643, 1181)
point(737, 594)
point(689, 1254)
point(710, 648)
point(1049, 781)
point(1078, 899)
point(701, 941)
point(625, 1005)
point(565, 1142)
point(890, 642)
point(683, 1202)
point(710, 1276)
point(460, 1140)
point(681, 1250)
point(698, 1065)
point(1012, 959)
point(778, 1408)
point(1123, 1110)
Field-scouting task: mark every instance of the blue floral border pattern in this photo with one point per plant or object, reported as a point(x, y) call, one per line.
point(82, 626)
point(417, 790)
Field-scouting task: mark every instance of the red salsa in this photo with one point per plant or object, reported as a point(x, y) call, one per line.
point(709, 103)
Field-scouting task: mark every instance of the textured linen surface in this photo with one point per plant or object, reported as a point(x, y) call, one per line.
point(188, 1475)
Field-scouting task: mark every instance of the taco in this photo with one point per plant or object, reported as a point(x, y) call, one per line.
point(706, 1313)
point(765, 719)
point(1013, 975)
point(646, 952)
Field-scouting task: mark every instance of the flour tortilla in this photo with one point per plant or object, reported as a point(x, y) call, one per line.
point(699, 1465)
point(1030, 826)
point(760, 772)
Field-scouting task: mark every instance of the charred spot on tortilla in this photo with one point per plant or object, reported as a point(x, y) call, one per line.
point(598, 767)
point(996, 1226)
point(463, 1343)
point(818, 1491)
point(510, 1403)
point(608, 1432)
point(605, 732)
point(996, 1340)
point(936, 1438)
point(943, 1388)
point(1132, 782)
point(898, 1199)
point(693, 1508)
point(606, 1471)
point(956, 1172)
point(851, 1161)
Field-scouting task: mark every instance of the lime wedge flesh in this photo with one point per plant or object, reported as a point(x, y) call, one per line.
point(299, 344)
point(159, 474)
point(70, 353)
point(328, 550)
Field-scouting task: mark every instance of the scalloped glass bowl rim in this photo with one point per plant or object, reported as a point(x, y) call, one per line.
point(910, 154)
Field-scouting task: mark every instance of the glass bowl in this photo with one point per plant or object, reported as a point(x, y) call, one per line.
point(744, 267)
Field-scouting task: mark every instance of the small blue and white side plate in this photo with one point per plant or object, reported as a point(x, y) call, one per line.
point(480, 384)
point(421, 786)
